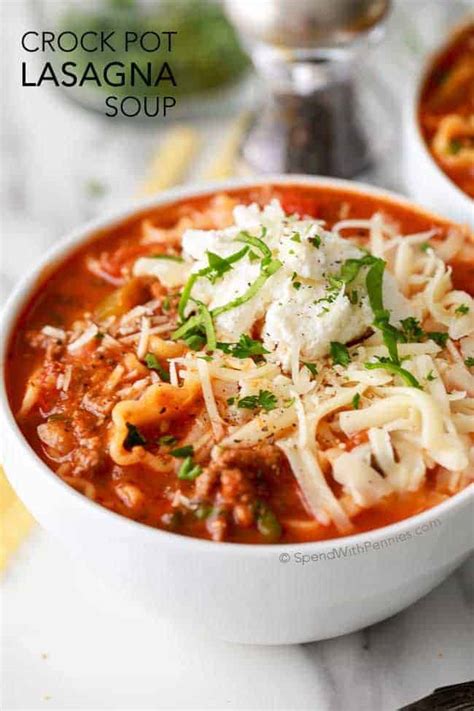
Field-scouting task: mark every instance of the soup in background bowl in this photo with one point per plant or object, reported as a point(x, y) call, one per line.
point(446, 111)
point(439, 129)
point(284, 362)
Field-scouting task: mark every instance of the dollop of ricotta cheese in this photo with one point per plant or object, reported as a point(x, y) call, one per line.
point(300, 306)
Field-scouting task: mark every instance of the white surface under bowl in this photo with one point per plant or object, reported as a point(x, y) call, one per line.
point(277, 594)
point(426, 182)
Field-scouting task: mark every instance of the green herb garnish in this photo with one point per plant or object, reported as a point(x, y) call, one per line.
point(391, 367)
point(257, 243)
point(267, 271)
point(356, 401)
point(183, 452)
point(134, 437)
point(265, 400)
point(152, 363)
point(312, 368)
point(217, 267)
point(189, 471)
point(462, 309)
point(245, 348)
point(169, 257)
point(339, 353)
point(469, 362)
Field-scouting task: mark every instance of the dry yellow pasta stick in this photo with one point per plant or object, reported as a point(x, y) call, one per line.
point(15, 521)
point(224, 165)
point(171, 160)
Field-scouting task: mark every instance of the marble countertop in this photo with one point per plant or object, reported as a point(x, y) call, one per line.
point(67, 643)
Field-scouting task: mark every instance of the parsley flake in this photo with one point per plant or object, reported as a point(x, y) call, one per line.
point(265, 400)
point(134, 437)
point(339, 353)
point(246, 347)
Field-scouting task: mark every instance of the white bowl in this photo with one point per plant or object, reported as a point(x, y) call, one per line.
point(426, 182)
point(276, 594)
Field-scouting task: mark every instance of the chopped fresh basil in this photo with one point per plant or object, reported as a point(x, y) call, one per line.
point(217, 267)
point(462, 309)
point(267, 271)
point(431, 376)
point(356, 401)
point(208, 325)
point(425, 246)
point(257, 243)
point(134, 437)
point(296, 237)
point(388, 365)
point(469, 362)
point(194, 341)
point(339, 353)
point(183, 452)
point(153, 364)
point(169, 257)
point(198, 329)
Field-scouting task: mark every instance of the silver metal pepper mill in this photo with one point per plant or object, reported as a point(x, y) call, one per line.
point(307, 52)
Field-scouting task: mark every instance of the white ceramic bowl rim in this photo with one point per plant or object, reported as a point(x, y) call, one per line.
point(59, 251)
point(416, 88)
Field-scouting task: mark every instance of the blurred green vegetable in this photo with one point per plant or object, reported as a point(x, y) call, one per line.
point(205, 53)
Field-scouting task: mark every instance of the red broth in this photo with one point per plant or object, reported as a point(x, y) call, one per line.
point(446, 110)
point(79, 416)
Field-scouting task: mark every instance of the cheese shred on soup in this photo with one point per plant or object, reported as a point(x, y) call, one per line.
point(275, 364)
